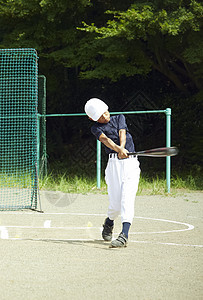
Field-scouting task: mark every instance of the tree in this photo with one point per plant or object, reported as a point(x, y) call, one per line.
point(132, 37)
point(42, 24)
point(151, 45)
point(161, 35)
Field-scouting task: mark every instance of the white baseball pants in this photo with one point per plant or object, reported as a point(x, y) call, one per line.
point(122, 178)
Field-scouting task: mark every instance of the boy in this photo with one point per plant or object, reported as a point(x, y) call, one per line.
point(122, 172)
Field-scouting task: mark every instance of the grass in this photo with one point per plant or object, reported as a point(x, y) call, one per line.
point(16, 180)
point(148, 185)
point(64, 182)
point(71, 184)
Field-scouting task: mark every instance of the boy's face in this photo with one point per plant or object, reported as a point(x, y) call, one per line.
point(105, 118)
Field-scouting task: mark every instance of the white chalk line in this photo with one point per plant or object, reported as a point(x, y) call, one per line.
point(36, 213)
point(52, 227)
point(169, 244)
point(189, 227)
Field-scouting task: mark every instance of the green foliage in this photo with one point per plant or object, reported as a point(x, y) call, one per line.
point(133, 39)
point(152, 46)
point(39, 24)
point(166, 38)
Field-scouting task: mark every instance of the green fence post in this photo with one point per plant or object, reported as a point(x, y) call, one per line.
point(168, 144)
point(167, 112)
point(38, 143)
point(98, 164)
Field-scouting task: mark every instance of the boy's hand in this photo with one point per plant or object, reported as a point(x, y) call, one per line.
point(123, 153)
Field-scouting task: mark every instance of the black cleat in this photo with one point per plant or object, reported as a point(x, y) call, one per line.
point(120, 242)
point(107, 232)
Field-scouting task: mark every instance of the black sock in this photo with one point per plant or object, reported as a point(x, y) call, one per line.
point(126, 227)
point(109, 222)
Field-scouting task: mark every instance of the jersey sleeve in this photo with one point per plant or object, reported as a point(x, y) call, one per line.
point(96, 131)
point(122, 123)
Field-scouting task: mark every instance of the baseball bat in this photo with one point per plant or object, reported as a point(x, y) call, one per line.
point(157, 152)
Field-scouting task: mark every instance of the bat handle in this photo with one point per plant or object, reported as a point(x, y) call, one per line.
point(132, 153)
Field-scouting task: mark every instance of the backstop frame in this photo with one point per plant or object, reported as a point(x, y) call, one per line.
point(166, 111)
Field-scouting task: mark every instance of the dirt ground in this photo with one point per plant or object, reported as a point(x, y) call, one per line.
point(59, 254)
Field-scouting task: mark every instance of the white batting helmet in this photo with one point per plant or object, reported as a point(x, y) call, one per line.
point(95, 108)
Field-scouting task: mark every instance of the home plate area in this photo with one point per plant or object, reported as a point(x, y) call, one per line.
point(88, 227)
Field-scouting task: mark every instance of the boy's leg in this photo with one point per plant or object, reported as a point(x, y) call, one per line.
point(129, 190)
point(112, 177)
point(125, 229)
point(114, 182)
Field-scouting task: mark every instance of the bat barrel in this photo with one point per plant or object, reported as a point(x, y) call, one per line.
point(157, 152)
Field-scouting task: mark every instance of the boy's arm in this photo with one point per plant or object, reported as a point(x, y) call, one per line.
point(122, 152)
point(122, 135)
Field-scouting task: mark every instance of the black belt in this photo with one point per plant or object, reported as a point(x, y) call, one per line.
point(115, 155)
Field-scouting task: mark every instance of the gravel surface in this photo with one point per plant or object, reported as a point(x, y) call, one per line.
point(59, 254)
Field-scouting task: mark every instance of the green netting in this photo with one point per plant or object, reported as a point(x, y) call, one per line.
point(42, 139)
point(18, 128)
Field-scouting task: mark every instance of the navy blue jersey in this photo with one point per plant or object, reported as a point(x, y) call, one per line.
point(111, 130)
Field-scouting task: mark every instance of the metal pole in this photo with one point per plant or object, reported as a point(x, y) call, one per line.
point(168, 144)
point(98, 164)
point(168, 138)
point(38, 143)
